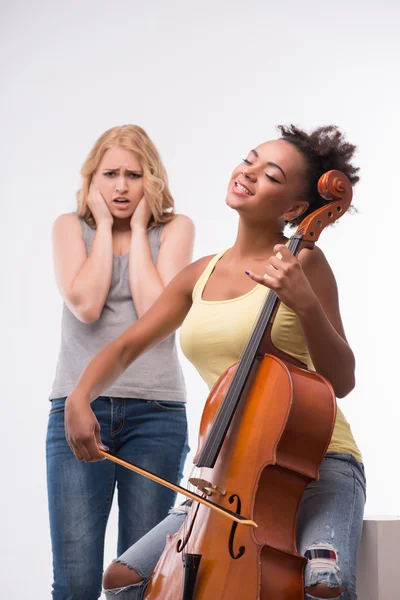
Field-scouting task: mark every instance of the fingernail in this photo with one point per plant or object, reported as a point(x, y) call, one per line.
point(104, 447)
point(247, 272)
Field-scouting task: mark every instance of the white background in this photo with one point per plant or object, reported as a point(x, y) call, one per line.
point(208, 81)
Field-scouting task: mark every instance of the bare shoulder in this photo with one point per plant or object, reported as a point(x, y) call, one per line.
point(180, 221)
point(188, 277)
point(199, 265)
point(313, 258)
point(67, 223)
point(67, 237)
point(318, 271)
point(180, 224)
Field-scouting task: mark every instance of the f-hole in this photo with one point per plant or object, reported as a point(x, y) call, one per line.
point(242, 549)
point(181, 544)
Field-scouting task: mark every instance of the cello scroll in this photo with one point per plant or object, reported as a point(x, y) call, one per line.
point(336, 188)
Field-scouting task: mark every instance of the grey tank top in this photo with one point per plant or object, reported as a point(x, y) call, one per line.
point(156, 375)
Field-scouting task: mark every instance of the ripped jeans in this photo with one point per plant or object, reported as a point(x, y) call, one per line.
point(329, 530)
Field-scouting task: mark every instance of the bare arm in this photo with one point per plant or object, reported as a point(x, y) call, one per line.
point(322, 325)
point(308, 286)
point(163, 318)
point(147, 280)
point(83, 280)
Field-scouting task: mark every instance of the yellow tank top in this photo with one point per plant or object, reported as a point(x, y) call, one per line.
point(214, 334)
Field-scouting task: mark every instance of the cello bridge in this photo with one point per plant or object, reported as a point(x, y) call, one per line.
point(206, 487)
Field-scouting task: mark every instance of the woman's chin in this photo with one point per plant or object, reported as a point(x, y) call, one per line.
point(121, 215)
point(235, 203)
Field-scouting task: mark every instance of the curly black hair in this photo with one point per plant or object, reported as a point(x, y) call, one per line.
point(325, 148)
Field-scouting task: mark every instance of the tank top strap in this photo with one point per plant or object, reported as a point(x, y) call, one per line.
point(204, 277)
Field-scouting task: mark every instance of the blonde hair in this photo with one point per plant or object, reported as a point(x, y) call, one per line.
point(155, 180)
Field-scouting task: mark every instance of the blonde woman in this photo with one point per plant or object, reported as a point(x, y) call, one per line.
point(113, 258)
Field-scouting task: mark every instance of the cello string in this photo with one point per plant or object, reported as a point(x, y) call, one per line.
point(251, 347)
point(228, 406)
point(186, 523)
point(247, 357)
point(268, 294)
point(239, 379)
point(258, 326)
point(242, 371)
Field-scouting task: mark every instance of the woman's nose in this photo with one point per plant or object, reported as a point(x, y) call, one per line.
point(121, 185)
point(249, 174)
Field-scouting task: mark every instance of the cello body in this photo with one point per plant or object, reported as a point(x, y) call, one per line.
point(273, 449)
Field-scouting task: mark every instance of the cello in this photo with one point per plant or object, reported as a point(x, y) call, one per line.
point(264, 431)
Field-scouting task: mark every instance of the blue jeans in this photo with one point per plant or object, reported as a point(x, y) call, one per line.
point(329, 529)
point(151, 434)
